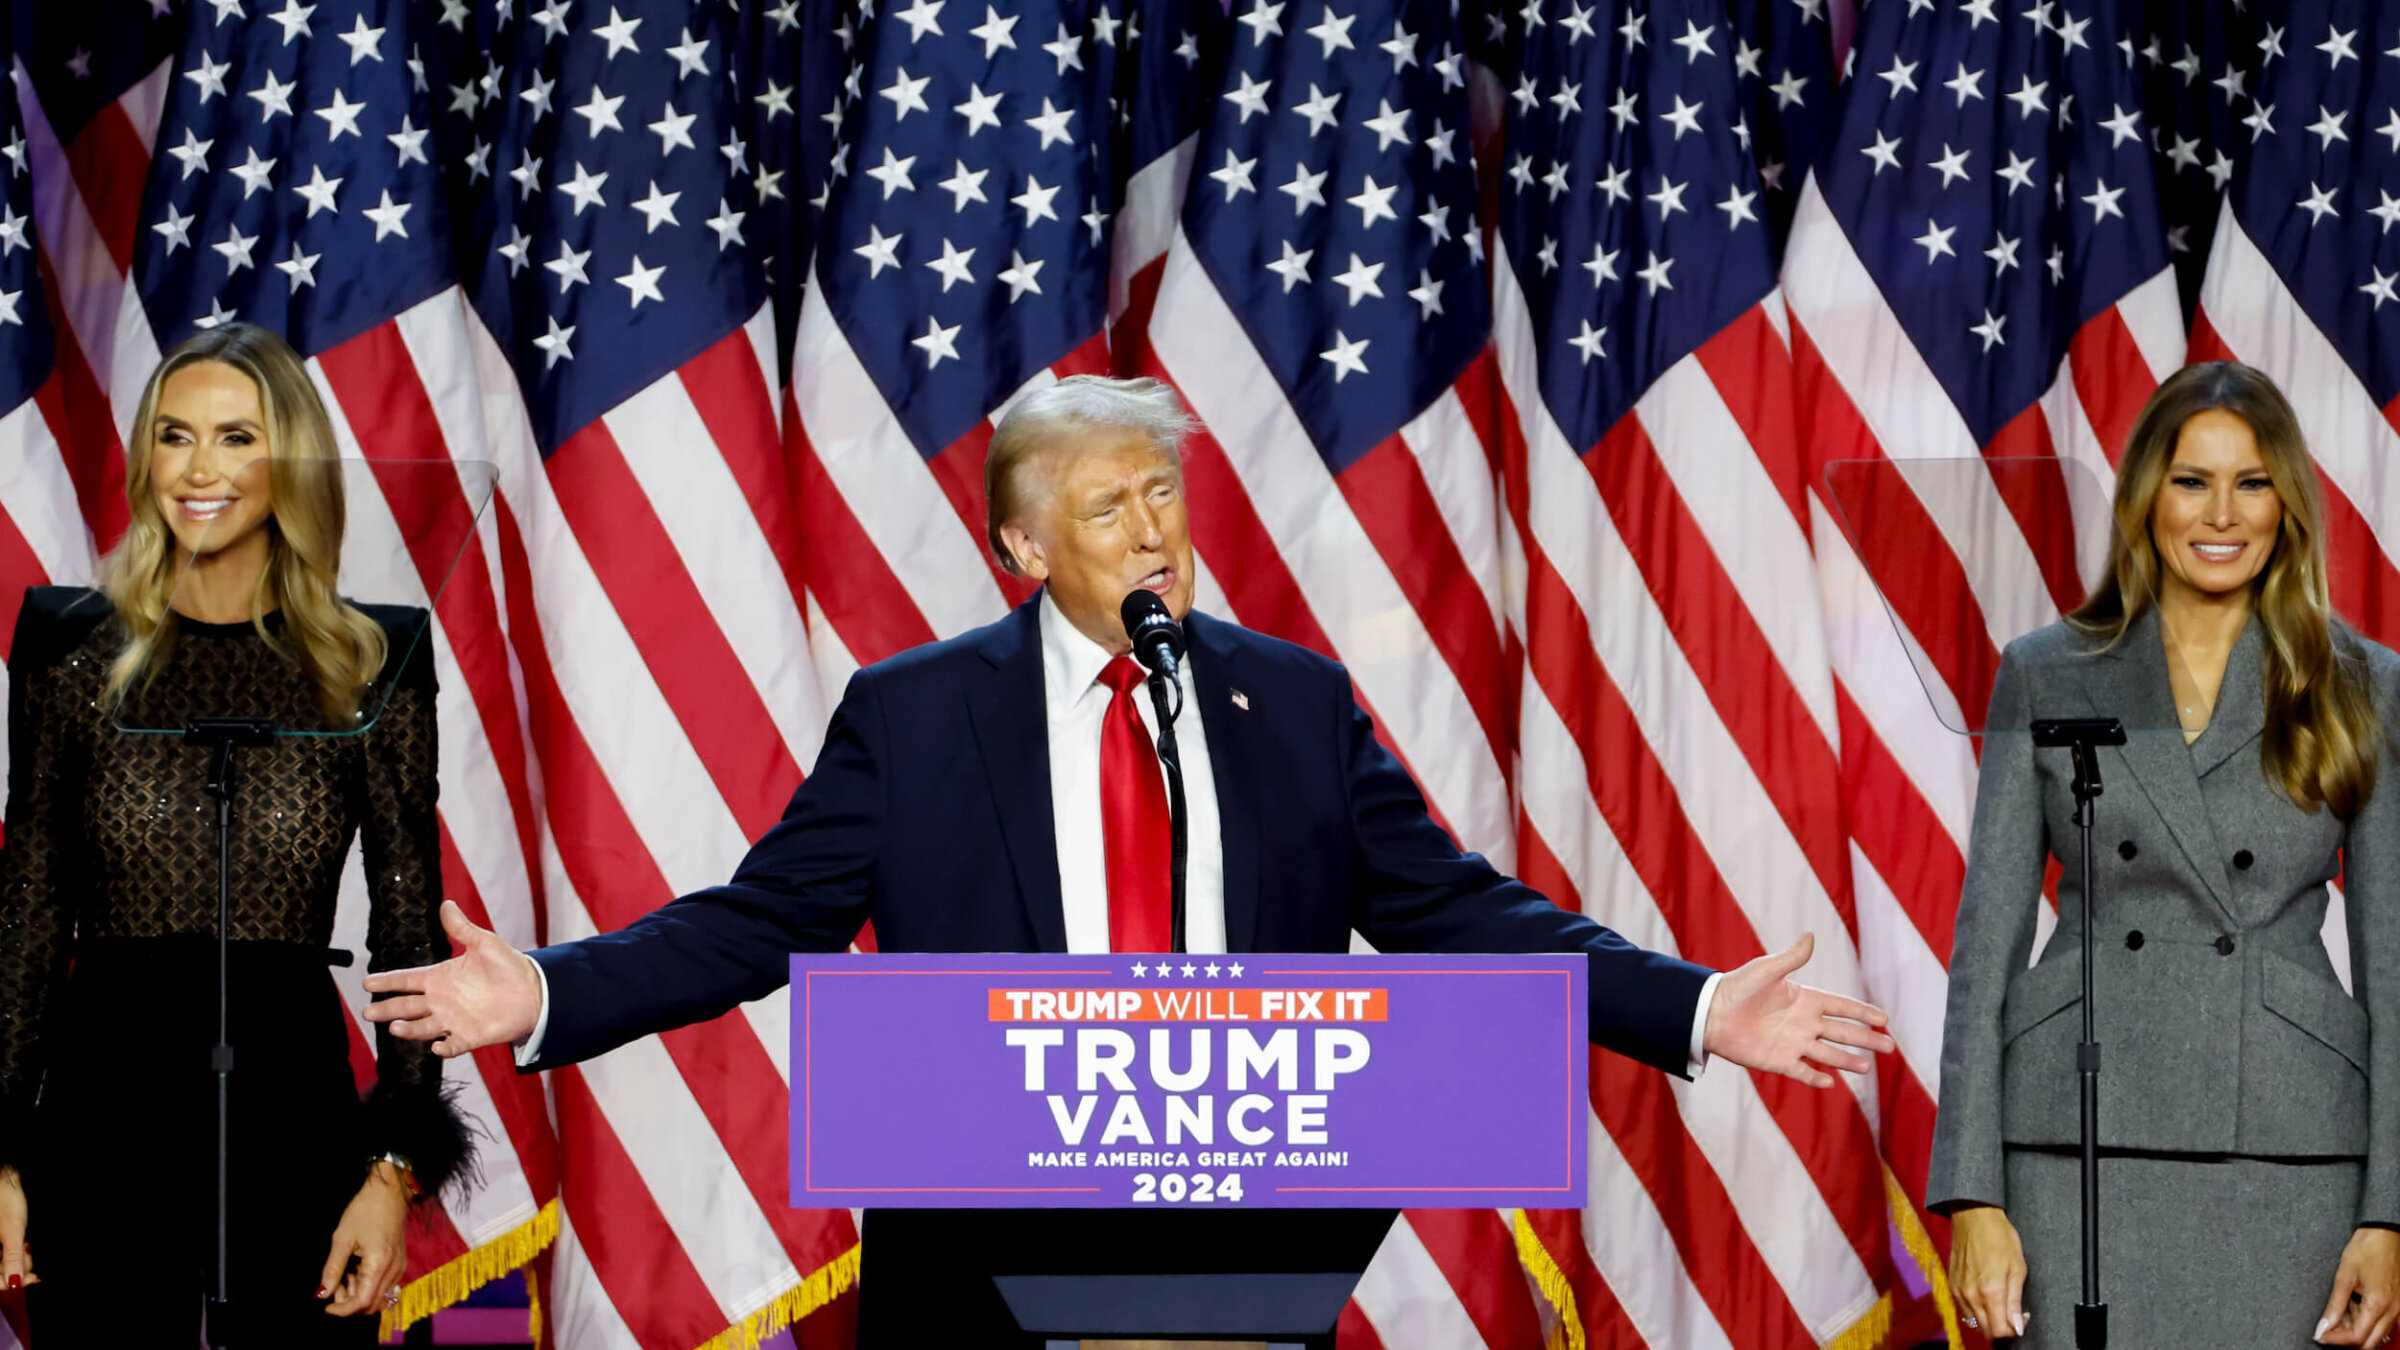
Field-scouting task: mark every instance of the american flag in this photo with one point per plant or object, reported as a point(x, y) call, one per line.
point(1522, 334)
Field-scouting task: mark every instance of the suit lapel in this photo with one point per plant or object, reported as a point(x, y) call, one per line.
point(1012, 731)
point(2130, 683)
point(2241, 711)
point(1232, 753)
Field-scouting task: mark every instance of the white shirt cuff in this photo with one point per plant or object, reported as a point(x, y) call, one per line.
point(1699, 1056)
point(530, 1049)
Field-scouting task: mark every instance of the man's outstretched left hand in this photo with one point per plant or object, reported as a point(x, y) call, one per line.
point(1763, 1019)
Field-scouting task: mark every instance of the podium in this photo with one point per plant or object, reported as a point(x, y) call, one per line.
point(1160, 1155)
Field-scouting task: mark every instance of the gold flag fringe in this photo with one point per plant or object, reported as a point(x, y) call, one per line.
point(1920, 1249)
point(1868, 1332)
point(437, 1289)
point(1552, 1281)
point(823, 1285)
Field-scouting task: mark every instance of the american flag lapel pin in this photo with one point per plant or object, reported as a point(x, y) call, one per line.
point(1241, 700)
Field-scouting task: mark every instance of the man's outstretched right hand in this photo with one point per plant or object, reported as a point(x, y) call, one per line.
point(489, 994)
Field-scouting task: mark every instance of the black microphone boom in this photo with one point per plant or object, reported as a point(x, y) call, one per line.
point(1157, 638)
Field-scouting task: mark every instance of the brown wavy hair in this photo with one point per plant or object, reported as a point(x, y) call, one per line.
point(339, 648)
point(2322, 731)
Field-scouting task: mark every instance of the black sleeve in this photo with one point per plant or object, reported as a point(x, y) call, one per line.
point(37, 896)
point(407, 1111)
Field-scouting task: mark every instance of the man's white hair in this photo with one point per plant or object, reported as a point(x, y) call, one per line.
point(1075, 404)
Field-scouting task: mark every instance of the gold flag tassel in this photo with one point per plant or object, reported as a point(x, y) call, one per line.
point(451, 1282)
point(823, 1285)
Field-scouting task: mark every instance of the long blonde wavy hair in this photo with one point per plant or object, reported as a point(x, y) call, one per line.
point(2322, 731)
point(339, 648)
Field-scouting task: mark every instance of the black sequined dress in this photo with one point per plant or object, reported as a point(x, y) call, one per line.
point(108, 914)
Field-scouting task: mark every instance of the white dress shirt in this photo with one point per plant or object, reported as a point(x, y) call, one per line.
point(1075, 707)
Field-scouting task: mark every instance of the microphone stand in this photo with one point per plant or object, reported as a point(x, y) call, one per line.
point(2083, 736)
point(1172, 757)
point(222, 735)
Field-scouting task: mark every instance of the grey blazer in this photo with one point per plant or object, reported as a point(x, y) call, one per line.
point(2222, 1028)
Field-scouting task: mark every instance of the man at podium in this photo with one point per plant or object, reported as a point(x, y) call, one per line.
point(1000, 791)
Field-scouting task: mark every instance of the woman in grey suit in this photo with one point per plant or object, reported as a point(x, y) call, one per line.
point(2249, 1108)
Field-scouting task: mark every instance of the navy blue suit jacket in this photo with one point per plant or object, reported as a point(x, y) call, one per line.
point(929, 813)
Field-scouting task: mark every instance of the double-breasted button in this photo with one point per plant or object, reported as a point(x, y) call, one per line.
point(2133, 940)
point(2243, 860)
point(2224, 945)
point(2127, 851)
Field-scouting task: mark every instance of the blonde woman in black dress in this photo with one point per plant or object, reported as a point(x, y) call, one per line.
point(220, 598)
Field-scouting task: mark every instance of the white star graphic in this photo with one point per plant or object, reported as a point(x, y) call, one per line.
point(881, 251)
point(1020, 276)
point(641, 284)
point(1935, 241)
point(2122, 127)
point(1901, 77)
point(1602, 266)
point(300, 269)
point(1333, 31)
point(1787, 90)
point(236, 249)
point(1684, 118)
point(1427, 293)
point(1885, 153)
point(981, 109)
point(1952, 165)
point(1068, 49)
point(210, 77)
point(727, 223)
point(2003, 254)
point(2339, 47)
point(658, 208)
point(922, 18)
point(1360, 280)
point(1736, 207)
point(1668, 199)
point(893, 173)
point(1235, 175)
point(1139, 970)
point(273, 98)
point(217, 315)
point(1966, 84)
point(1306, 189)
point(1695, 41)
point(528, 174)
point(2318, 203)
point(2261, 121)
point(1347, 357)
point(1622, 109)
point(1592, 342)
point(2387, 211)
point(1318, 108)
point(907, 95)
point(618, 34)
point(341, 116)
point(1612, 185)
point(1251, 96)
point(2103, 201)
point(1389, 126)
point(254, 173)
point(388, 217)
point(1093, 220)
point(1436, 221)
point(12, 230)
point(2328, 128)
point(1655, 274)
point(585, 188)
point(1402, 48)
point(517, 250)
point(674, 130)
point(951, 265)
point(536, 94)
point(2380, 287)
point(1052, 124)
point(554, 344)
point(1438, 144)
point(690, 54)
point(8, 308)
point(1374, 203)
point(409, 142)
point(995, 31)
point(365, 43)
point(1034, 201)
point(294, 20)
point(1293, 266)
point(318, 190)
point(2028, 97)
point(1989, 329)
point(939, 343)
point(176, 229)
point(2018, 172)
point(193, 153)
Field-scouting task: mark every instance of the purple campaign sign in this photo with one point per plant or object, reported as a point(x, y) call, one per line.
point(1247, 1081)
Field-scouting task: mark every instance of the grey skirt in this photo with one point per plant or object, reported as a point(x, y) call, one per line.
point(2195, 1251)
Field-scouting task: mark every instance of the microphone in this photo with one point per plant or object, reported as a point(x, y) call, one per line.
point(1157, 638)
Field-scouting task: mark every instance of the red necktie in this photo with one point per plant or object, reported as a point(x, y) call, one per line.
point(1133, 820)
